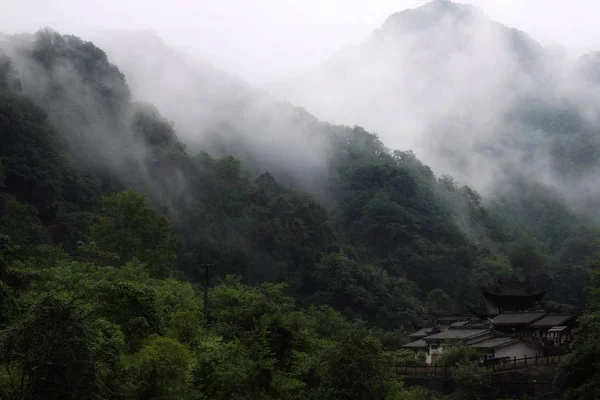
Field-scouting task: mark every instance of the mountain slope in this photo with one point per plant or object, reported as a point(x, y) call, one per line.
point(392, 232)
point(471, 97)
point(219, 113)
point(90, 265)
point(59, 126)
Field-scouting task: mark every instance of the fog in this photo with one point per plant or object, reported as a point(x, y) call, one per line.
point(473, 98)
point(267, 40)
point(218, 112)
point(89, 106)
point(459, 90)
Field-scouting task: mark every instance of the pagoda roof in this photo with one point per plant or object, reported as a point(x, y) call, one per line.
point(513, 294)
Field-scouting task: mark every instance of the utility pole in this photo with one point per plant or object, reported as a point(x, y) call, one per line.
point(206, 267)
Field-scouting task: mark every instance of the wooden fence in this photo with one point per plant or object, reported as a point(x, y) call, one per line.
point(525, 362)
point(506, 364)
point(504, 388)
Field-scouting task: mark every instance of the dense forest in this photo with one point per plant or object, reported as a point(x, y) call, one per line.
point(107, 219)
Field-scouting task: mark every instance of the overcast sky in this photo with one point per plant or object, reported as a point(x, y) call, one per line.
point(265, 40)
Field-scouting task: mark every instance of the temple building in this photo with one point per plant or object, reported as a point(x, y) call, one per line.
point(511, 322)
point(513, 295)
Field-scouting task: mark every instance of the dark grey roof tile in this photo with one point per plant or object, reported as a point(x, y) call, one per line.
point(552, 320)
point(519, 318)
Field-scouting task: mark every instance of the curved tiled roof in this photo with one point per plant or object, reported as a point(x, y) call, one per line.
point(420, 333)
point(552, 320)
point(494, 343)
point(458, 334)
point(517, 318)
point(417, 344)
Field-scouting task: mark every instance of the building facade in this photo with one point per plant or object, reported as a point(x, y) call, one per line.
point(511, 324)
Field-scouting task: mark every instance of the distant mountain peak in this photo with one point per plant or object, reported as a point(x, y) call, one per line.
point(430, 14)
point(450, 7)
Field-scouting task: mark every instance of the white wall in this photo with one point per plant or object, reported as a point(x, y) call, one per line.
point(519, 350)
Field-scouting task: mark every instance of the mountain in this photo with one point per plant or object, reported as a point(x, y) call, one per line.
point(72, 135)
point(218, 112)
point(471, 97)
point(118, 187)
point(385, 209)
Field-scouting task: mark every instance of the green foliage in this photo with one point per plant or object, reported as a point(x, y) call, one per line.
point(162, 369)
point(456, 355)
point(226, 370)
point(438, 303)
point(556, 239)
point(7, 250)
point(363, 291)
point(593, 290)
point(103, 211)
point(52, 345)
point(108, 345)
point(1, 175)
point(391, 210)
point(579, 374)
point(356, 368)
point(403, 357)
point(527, 257)
point(39, 184)
point(471, 380)
point(490, 267)
point(258, 344)
point(20, 221)
point(130, 229)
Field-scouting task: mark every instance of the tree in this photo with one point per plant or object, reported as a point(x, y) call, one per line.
point(50, 354)
point(438, 303)
point(163, 367)
point(457, 354)
point(1, 174)
point(471, 380)
point(7, 249)
point(20, 221)
point(356, 368)
point(133, 307)
point(229, 370)
point(579, 374)
point(527, 257)
point(109, 346)
point(128, 227)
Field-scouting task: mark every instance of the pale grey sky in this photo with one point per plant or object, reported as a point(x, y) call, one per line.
point(265, 40)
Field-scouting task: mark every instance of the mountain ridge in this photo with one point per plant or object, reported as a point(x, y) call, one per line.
point(321, 247)
point(459, 84)
point(404, 190)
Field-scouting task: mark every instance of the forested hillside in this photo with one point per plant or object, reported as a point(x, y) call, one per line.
point(473, 98)
point(106, 216)
point(219, 113)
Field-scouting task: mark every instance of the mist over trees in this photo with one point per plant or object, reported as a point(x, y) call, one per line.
point(326, 246)
point(473, 98)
